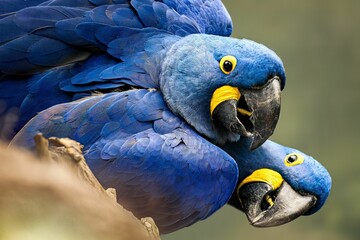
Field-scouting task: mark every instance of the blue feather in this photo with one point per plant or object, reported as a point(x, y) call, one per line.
point(126, 17)
point(91, 70)
point(50, 53)
point(130, 72)
point(11, 6)
point(174, 22)
point(9, 30)
point(145, 12)
point(67, 86)
point(68, 3)
point(14, 55)
point(166, 123)
point(100, 2)
point(87, 31)
point(205, 12)
point(100, 15)
point(12, 91)
point(34, 18)
point(65, 29)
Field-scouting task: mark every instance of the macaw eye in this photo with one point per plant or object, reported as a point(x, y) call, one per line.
point(293, 159)
point(228, 64)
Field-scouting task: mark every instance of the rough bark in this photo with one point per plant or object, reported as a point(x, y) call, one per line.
point(56, 194)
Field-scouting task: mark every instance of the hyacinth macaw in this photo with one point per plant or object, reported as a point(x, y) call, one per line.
point(277, 183)
point(59, 51)
point(161, 167)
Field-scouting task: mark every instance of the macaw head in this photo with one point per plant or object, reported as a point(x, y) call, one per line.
point(224, 87)
point(277, 184)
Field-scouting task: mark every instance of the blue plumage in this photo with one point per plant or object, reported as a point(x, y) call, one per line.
point(159, 165)
point(132, 43)
point(10, 6)
point(151, 170)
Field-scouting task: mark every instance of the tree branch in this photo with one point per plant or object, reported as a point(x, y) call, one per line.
point(58, 192)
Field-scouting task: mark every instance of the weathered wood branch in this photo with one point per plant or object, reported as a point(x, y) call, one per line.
point(59, 195)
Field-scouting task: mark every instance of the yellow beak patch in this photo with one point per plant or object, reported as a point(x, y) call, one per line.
point(223, 94)
point(274, 179)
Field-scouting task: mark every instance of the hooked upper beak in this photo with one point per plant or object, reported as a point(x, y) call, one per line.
point(250, 112)
point(266, 204)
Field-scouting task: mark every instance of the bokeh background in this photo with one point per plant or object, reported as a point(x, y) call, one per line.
point(319, 43)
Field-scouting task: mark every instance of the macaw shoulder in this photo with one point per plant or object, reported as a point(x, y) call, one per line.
point(165, 160)
point(134, 143)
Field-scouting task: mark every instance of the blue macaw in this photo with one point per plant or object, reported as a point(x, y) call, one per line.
point(276, 184)
point(59, 51)
point(161, 167)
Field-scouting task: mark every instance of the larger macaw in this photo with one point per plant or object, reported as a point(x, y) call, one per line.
point(161, 167)
point(59, 51)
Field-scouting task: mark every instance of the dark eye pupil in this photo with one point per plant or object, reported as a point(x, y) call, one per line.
point(228, 66)
point(292, 158)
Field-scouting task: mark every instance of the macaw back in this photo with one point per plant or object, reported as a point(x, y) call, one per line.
point(159, 166)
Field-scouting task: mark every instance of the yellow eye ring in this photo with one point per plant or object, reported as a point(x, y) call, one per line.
point(293, 159)
point(228, 64)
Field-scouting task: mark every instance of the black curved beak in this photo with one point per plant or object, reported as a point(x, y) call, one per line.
point(266, 207)
point(255, 114)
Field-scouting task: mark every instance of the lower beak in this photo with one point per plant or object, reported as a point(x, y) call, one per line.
point(250, 113)
point(266, 207)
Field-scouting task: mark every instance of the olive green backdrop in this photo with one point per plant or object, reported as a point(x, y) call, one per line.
point(319, 43)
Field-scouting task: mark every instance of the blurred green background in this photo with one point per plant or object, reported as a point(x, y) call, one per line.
point(319, 43)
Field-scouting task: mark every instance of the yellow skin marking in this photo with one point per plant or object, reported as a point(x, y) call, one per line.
point(244, 112)
point(269, 200)
point(223, 94)
point(274, 179)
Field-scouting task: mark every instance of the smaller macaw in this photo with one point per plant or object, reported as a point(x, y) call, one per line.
point(161, 167)
point(276, 184)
